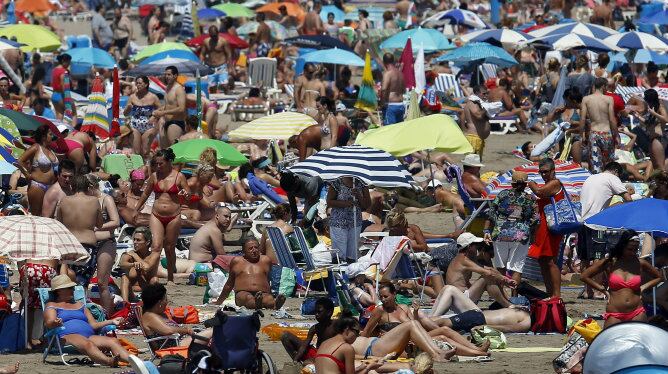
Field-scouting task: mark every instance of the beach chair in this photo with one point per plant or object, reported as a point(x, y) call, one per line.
point(488, 71)
point(392, 260)
point(476, 206)
point(249, 111)
point(447, 83)
point(157, 343)
point(262, 72)
point(290, 91)
point(502, 125)
point(308, 257)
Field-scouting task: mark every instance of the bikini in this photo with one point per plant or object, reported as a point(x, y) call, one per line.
point(339, 363)
point(616, 282)
point(173, 190)
point(42, 161)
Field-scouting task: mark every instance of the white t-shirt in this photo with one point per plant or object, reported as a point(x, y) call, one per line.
point(597, 191)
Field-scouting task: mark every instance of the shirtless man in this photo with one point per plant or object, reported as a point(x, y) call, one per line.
point(312, 22)
point(309, 91)
point(262, 36)
point(174, 111)
point(471, 175)
point(463, 266)
point(9, 100)
point(82, 215)
point(474, 120)
point(58, 190)
point(502, 94)
point(600, 132)
point(208, 240)
point(191, 130)
point(128, 214)
point(441, 198)
point(392, 91)
point(249, 279)
point(215, 50)
point(603, 14)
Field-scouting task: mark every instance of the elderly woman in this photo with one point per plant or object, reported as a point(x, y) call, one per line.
point(76, 325)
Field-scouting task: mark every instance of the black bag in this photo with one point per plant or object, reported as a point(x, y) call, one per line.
point(531, 292)
point(172, 364)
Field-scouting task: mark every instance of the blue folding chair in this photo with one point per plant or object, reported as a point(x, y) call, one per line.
point(52, 334)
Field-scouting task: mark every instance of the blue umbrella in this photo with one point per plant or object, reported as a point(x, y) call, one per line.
point(458, 17)
point(210, 13)
point(175, 53)
point(339, 15)
point(9, 44)
point(564, 42)
point(157, 68)
point(429, 39)
point(659, 18)
point(318, 42)
point(479, 53)
point(638, 40)
point(92, 57)
point(644, 215)
point(498, 37)
point(333, 56)
point(6, 168)
point(586, 29)
point(643, 56)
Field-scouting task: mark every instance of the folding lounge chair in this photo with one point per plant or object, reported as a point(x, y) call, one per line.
point(448, 84)
point(262, 72)
point(308, 257)
point(157, 343)
point(488, 71)
point(502, 125)
point(392, 260)
point(474, 205)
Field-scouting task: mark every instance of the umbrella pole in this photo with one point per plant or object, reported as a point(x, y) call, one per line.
point(431, 169)
point(653, 288)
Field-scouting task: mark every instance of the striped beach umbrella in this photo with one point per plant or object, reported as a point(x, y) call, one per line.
point(96, 118)
point(638, 40)
point(587, 29)
point(276, 126)
point(499, 37)
point(571, 175)
point(374, 167)
point(565, 42)
point(457, 17)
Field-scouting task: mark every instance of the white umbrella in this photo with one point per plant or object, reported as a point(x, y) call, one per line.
point(638, 40)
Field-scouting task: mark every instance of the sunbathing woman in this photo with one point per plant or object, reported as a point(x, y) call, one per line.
point(625, 286)
point(170, 188)
point(363, 291)
point(200, 205)
point(390, 315)
point(76, 325)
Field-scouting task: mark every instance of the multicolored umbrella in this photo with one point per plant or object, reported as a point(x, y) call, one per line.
point(366, 98)
point(190, 150)
point(233, 40)
point(25, 124)
point(638, 40)
point(235, 10)
point(499, 37)
point(587, 29)
point(157, 48)
point(35, 37)
point(571, 175)
point(457, 17)
point(565, 42)
point(210, 13)
point(157, 68)
point(97, 116)
point(280, 126)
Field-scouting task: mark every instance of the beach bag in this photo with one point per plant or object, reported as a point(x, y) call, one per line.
point(183, 314)
point(283, 281)
point(12, 330)
point(571, 354)
point(308, 306)
point(587, 328)
point(97, 311)
point(5, 306)
point(172, 364)
point(496, 338)
point(563, 216)
point(548, 316)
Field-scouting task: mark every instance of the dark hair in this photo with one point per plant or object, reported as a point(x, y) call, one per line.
point(167, 154)
point(99, 7)
point(345, 321)
point(64, 58)
point(152, 294)
point(173, 69)
point(67, 164)
point(193, 122)
point(546, 162)
point(281, 210)
point(603, 60)
point(40, 133)
point(245, 169)
point(618, 249)
point(4, 79)
point(80, 183)
point(525, 148)
point(652, 67)
point(113, 180)
point(614, 167)
point(388, 58)
point(599, 83)
point(144, 79)
point(388, 16)
point(573, 95)
point(477, 89)
point(325, 302)
point(327, 103)
point(123, 64)
point(256, 163)
point(652, 99)
point(330, 14)
point(504, 82)
point(243, 245)
point(289, 181)
point(390, 287)
point(254, 92)
point(364, 13)
point(260, 17)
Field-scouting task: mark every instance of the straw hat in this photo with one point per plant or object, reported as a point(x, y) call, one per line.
point(60, 282)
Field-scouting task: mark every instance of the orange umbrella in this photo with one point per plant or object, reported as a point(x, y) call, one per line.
point(34, 6)
point(292, 8)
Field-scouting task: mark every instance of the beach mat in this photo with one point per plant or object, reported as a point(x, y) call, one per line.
point(528, 349)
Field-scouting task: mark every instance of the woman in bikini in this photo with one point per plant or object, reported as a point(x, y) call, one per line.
point(141, 106)
point(625, 286)
point(41, 164)
point(363, 290)
point(80, 145)
point(329, 126)
point(200, 205)
point(389, 315)
point(171, 190)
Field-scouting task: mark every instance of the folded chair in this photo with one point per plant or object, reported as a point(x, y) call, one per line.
point(262, 72)
point(157, 343)
point(308, 257)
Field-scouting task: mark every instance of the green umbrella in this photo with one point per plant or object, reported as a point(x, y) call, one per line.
point(22, 121)
point(190, 150)
point(235, 10)
point(35, 37)
point(160, 47)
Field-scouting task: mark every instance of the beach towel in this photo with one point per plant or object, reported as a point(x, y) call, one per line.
point(386, 250)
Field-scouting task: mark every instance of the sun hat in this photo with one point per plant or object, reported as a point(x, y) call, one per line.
point(60, 282)
point(466, 239)
point(473, 160)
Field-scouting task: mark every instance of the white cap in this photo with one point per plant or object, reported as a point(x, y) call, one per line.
point(434, 183)
point(340, 107)
point(466, 239)
point(472, 159)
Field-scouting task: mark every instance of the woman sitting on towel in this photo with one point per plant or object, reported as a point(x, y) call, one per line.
point(76, 325)
point(624, 285)
point(389, 315)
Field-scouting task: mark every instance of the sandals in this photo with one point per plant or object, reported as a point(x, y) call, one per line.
point(81, 361)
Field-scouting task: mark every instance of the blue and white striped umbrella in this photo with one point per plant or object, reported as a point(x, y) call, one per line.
point(564, 42)
point(457, 17)
point(638, 40)
point(587, 29)
point(374, 167)
point(505, 37)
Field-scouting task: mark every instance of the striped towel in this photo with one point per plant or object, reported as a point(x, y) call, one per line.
point(448, 83)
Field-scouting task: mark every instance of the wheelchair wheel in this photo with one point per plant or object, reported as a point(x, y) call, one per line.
point(266, 364)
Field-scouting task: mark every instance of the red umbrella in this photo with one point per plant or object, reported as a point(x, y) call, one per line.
point(234, 41)
point(115, 104)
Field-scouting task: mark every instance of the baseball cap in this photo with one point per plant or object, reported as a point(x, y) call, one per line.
point(466, 239)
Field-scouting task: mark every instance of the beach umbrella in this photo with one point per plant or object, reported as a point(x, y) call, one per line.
point(317, 42)
point(278, 31)
point(6, 168)
point(233, 41)
point(280, 126)
point(90, 56)
point(39, 7)
point(638, 40)
point(156, 68)
point(96, 118)
point(587, 29)
point(38, 238)
point(644, 215)
point(565, 42)
point(9, 44)
point(431, 40)
point(10, 137)
point(658, 18)
point(26, 123)
point(210, 13)
point(34, 37)
point(235, 10)
point(436, 132)
point(157, 48)
point(374, 167)
point(643, 56)
point(479, 53)
point(293, 9)
point(457, 17)
point(339, 15)
point(115, 102)
point(367, 99)
point(500, 37)
point(175, 53)
point(333, 56)
point(571, 175)
point(189, 151)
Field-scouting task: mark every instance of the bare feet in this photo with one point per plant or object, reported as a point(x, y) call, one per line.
point(445, 355)
point(9, 369)
point(258, 300)
point(280, 300)
point(485, 345)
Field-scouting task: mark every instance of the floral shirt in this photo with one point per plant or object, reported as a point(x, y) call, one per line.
point(344, 218)
point(513, 213)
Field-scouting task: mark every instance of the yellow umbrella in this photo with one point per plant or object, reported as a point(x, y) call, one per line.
point(35, 37)
point(436, 132)
point(279, 126)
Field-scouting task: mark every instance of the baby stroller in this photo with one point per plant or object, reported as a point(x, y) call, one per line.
point(233, 347)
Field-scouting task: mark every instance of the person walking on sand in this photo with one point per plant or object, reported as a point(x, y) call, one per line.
point(474, 120)
point(600, 133)
point(392, 91)
point(174, 111)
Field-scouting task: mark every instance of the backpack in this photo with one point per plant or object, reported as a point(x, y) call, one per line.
point(12, 333)
point(548, 316)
